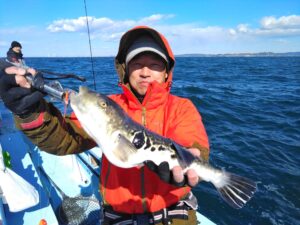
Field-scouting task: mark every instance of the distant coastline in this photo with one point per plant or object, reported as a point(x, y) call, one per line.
point(259, 54)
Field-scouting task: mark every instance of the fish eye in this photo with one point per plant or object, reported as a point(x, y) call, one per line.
point(102, 104)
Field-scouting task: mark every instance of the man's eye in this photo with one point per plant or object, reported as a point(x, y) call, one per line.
point(137, 65)
point(156, 66)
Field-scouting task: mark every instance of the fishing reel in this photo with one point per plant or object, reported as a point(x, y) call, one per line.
point(54, 88)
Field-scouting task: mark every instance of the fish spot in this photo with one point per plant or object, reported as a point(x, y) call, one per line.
point(161, 148)
point(132, 132)
point(139, 140)
point(173, 156)
point(148, 143)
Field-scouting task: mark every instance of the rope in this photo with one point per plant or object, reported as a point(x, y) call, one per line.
point(91, 54)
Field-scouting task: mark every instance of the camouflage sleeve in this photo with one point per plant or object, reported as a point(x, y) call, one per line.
point(53, 133)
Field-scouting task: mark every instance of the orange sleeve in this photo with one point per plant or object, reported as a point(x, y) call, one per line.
point(186, 126)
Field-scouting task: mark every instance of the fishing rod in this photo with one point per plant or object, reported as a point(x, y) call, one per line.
point(4, 64)
point(90, 45)
point(54, 89)
point(62, 75)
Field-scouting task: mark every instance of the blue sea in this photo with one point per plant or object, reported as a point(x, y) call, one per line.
point(251, 109)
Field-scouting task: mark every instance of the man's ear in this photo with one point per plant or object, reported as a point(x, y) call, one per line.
point(166, 77)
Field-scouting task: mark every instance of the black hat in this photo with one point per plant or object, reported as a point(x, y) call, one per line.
point(145, 43)
point(15, 44)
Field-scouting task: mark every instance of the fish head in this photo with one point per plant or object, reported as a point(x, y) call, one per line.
point(92, 110)
point(88, 102)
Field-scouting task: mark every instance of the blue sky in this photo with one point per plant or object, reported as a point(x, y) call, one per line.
point(58, 28)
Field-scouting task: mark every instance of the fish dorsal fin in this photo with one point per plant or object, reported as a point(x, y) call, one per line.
point(185, 157)
point(83, 89)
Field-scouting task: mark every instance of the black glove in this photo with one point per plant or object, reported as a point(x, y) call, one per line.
point(164, 173)
point(21, 101)
point(37, 81)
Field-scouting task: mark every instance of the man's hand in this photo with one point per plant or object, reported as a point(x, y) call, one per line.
point(14, 70)
point(20, 70)
point(192, 177)
point(176, 176)
point(32, 71)
point(17, 95)
point(22, 81)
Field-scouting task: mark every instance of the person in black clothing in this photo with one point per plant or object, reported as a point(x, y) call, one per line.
point(15, 57)
point(14, 54)
point(10, 76)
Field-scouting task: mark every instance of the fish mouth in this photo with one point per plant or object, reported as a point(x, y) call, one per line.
point(72, 96)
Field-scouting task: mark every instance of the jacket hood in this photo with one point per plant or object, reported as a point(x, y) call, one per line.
point(129, 37)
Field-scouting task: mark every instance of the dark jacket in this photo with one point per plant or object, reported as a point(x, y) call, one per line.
point(14, 57)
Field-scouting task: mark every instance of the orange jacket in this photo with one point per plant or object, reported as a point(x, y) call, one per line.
point(139, 190)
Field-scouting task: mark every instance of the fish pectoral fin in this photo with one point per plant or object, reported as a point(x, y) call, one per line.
point(125, 151)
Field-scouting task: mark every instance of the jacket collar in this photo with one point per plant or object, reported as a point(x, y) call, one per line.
point(156, 95)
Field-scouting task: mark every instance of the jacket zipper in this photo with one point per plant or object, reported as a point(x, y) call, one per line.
point(144, 116)
point(143, 193)
point(144, 122)
point(144, 203)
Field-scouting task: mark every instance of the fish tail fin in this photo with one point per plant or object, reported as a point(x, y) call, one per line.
point(235, 190)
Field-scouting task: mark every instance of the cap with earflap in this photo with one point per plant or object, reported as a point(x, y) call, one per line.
point(145, 43)
point(130, 46)
point(15, 44)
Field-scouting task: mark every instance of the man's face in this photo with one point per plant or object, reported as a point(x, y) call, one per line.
point(16, 49)
point(144, 69)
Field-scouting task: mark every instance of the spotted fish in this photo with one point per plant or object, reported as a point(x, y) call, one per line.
point(127, 144)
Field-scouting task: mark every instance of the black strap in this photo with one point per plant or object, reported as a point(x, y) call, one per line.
point(164, 216)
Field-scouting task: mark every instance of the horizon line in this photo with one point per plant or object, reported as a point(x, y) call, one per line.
point(178, 55)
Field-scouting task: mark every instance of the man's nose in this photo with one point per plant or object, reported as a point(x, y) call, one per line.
point(145, 71)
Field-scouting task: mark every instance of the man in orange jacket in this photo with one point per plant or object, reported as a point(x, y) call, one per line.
point(141, 195)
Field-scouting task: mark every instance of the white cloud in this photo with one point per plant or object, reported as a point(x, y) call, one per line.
point(271, 26)
point(79, 24)
point(104, 28)
point(243, 28)
point(186, 38)
point(284, 22)
point(232, 31)
point(272, 34)
point(155, 18)
point(111, 30)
